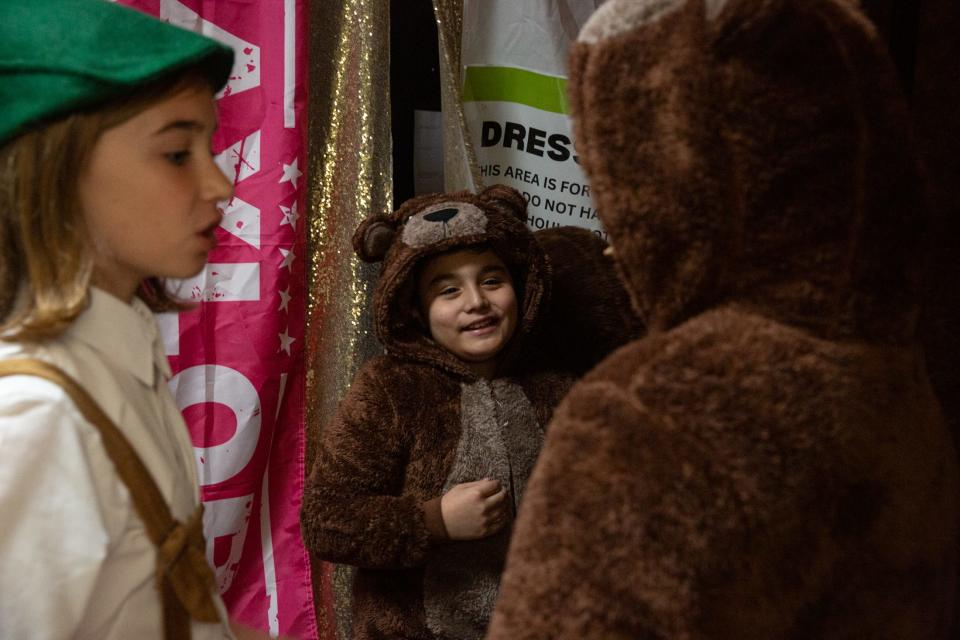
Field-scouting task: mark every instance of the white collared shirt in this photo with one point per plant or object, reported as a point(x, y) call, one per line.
point(75, 559)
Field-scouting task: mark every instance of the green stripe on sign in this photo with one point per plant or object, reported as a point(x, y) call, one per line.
point(508, 84)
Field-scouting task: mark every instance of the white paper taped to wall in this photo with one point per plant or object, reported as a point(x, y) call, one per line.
point(515, 104)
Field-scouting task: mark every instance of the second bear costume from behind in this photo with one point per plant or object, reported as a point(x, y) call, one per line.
point(417, 421)
point(770, 460)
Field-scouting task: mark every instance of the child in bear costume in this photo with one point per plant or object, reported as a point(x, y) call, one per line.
point(769, 461)
point(425, 422)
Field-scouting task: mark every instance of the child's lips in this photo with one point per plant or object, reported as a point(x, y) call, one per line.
point(210, 236)
point(482, 326)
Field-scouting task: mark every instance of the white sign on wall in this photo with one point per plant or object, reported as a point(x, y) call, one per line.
point(515, 104)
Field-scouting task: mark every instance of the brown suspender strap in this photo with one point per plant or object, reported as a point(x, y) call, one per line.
point(184, 578)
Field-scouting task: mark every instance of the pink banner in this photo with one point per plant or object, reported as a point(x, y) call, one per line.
point(238, 359)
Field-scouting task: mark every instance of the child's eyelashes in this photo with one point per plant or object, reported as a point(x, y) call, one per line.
point(177, 158)
point(450, 291)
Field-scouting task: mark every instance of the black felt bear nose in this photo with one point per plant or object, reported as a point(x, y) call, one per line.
point(441, 215)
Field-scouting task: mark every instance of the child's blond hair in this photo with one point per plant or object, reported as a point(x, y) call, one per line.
point(46, 245)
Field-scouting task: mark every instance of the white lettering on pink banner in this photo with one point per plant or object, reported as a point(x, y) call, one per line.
point(238, 358)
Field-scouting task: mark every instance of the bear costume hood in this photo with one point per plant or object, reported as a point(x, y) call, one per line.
point(773, 169)
point(429, 225)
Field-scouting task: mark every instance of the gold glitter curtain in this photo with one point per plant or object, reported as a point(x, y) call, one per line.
point(460, 168)
point(350, 177)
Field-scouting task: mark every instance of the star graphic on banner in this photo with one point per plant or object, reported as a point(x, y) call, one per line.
point(291, 173)
point(284, 299)
point(288, 258)
point(285, 340)
point(290, 215)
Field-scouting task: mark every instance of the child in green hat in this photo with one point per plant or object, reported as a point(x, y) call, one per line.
point(107, 186)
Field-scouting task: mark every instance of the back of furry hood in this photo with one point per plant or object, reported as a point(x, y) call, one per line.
point(429, 225)
point(755, 153)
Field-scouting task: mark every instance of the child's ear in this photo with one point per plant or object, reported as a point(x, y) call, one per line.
point(506, 197)
point(373, 238)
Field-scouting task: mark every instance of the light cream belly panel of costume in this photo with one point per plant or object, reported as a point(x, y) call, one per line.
point(500, 439)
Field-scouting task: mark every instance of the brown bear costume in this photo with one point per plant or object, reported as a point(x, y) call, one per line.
point(769, 462)
point(589, 309)
point(417, 421)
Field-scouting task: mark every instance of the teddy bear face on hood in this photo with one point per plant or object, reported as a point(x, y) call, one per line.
point(430, 225)
point(757, 153)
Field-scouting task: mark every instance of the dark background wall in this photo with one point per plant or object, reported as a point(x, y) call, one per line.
point(935, 101)
point(924, 40)
point(414, 82)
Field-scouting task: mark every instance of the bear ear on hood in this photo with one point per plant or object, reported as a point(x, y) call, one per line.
point(507, 197)
point(373, 238)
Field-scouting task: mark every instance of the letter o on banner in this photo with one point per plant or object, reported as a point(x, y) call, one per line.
point(222, 385)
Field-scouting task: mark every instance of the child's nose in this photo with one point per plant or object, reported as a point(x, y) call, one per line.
point(476, 299)
point(216, 187)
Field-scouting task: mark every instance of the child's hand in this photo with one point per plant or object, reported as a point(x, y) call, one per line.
point(474, 510)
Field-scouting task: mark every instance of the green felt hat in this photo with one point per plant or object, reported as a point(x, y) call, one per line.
point(60, 55)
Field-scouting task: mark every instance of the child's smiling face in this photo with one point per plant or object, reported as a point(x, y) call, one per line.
point(470, 306)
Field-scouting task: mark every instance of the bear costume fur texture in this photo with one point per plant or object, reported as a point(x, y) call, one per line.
point(769, 461)
point(589, 310)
